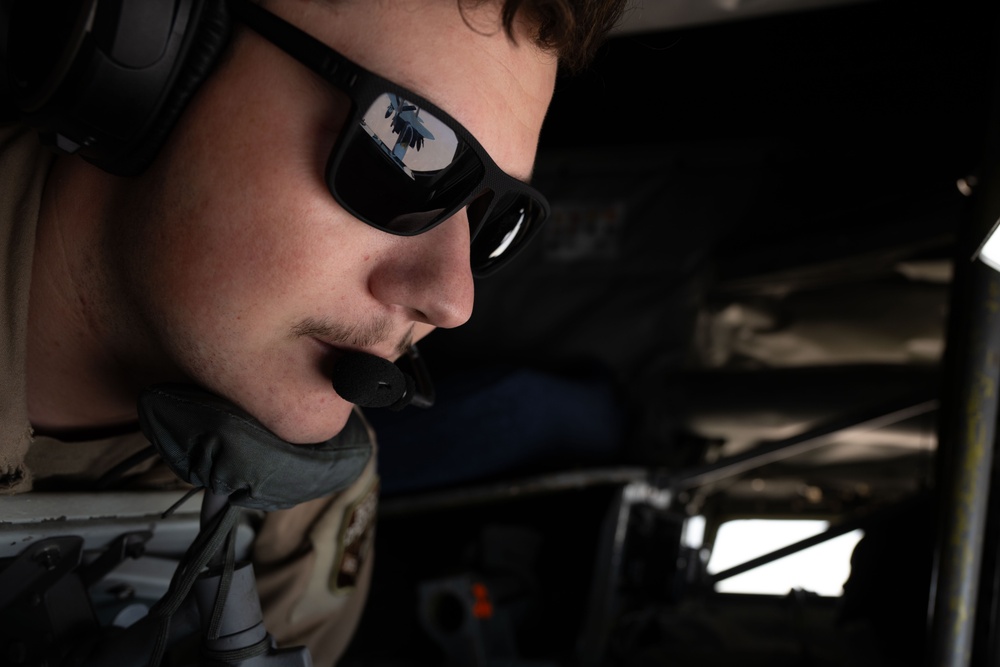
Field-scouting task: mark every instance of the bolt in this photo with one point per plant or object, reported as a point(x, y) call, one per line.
point(135, 550)
point(48, 557)
point(967, 185)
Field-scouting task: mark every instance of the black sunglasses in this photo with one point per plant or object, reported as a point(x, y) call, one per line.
point(403, 165)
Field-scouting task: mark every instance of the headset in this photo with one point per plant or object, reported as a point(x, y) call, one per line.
point(107, 79)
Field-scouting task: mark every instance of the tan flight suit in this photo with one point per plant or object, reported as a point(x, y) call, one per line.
point(313, 562)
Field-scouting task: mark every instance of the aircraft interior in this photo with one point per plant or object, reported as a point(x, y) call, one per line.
point(757, 306)
point(755, 299)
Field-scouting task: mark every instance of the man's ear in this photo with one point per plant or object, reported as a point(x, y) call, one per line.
point(108, 79)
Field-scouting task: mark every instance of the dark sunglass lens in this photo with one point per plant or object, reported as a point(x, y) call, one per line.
point(401, 168)
point(505, 232)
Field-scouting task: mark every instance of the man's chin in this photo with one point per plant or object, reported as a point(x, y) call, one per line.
point(308, 427)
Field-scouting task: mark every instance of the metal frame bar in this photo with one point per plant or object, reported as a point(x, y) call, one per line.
point(966, 443)
point(511, 490)
point(868, 419)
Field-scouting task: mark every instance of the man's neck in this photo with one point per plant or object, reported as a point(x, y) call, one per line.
point(73, 378)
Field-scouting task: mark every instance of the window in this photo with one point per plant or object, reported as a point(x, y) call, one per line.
point(821, 569)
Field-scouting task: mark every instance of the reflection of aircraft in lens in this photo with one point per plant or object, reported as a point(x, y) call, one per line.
point(407, 124)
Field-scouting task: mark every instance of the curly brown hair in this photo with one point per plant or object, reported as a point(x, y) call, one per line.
point(572, 28)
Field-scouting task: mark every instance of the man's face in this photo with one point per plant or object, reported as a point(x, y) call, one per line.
point(246, 275)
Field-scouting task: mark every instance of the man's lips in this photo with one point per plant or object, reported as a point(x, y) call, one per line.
point(336, 351)
point(328, 357)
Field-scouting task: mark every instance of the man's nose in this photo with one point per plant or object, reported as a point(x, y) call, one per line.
point(429, 275)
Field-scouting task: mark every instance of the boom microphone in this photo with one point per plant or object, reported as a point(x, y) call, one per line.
point(372, 382)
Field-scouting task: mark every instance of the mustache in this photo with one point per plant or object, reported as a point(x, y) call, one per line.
point(366, 335)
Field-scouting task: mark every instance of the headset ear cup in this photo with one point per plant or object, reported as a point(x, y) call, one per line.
point(205, 46)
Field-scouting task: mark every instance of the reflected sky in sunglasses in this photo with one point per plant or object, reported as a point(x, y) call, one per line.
point(419, 143)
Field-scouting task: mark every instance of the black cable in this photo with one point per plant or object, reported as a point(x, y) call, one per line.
point(118, 470)
point(204, 547)
point(225, 582)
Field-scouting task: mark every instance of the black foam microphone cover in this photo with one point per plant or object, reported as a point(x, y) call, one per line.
point(371, 382)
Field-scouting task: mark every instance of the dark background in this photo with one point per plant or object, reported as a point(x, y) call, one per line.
point(787, 162)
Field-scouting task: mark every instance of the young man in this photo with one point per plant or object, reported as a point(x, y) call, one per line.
point(256, 250)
